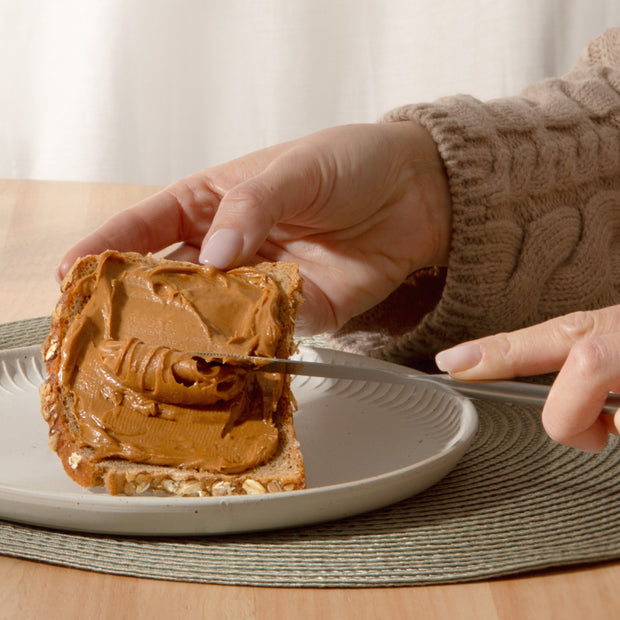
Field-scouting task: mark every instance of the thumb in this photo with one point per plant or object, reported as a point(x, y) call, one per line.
point(248, 212)
point(242, 222)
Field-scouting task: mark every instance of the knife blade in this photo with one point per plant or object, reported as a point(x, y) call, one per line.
point(506, 391)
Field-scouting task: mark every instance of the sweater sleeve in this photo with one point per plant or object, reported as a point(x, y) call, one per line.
point(535, 185)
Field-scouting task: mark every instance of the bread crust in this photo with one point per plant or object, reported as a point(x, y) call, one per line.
point(283, 472)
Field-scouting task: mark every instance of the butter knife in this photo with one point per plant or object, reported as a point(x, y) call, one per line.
point(506, 391)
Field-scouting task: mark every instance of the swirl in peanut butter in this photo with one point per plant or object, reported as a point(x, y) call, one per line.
point(143, 391)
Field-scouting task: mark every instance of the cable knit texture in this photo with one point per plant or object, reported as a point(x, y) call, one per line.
point(535, 184)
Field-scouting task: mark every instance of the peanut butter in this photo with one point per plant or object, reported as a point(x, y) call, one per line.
point(142, 389)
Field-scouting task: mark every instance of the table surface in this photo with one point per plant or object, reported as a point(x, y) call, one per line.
point(39, 221)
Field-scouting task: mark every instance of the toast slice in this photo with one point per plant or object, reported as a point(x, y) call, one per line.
point(134, 402)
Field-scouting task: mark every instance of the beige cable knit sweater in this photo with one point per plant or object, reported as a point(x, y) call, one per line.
point(535, 184)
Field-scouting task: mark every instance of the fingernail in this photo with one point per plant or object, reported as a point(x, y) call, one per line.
point(222, 248)
point(459, 358)
point(62, 271)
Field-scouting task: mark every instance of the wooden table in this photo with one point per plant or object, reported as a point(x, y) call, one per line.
point(39, 220)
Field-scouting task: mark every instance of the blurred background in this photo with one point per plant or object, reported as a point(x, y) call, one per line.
point(146, 91)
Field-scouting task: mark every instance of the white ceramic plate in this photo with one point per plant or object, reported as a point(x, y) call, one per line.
point(365, 445)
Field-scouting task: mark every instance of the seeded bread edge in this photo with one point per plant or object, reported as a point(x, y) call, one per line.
point(283, 472)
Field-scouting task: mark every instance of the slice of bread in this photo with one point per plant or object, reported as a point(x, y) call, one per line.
point(282, 471)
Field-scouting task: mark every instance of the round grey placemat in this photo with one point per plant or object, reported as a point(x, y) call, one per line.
point(516, 502)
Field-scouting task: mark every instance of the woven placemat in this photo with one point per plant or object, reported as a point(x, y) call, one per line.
point(515, 503)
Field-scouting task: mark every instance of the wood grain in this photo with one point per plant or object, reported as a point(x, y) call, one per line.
point(32, 590)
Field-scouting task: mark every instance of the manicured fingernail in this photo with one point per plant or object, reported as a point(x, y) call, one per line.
point(459, 358)
point(222, 248)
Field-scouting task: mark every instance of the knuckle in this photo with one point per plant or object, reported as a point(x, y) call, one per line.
point(589, 356)
point(504, 344)
point(247, 196)
point(314, 172)
point(504, 349)
point(578, 325)
point(185, 193)
point(254, 202)
point(194, 194)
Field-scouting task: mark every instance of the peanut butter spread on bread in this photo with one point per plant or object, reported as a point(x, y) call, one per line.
point(142, 388)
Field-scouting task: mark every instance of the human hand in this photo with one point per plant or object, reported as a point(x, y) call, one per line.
point(583, 346)
point(358, 207)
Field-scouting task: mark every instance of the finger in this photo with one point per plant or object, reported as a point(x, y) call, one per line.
point(178, 213)
point(184, 252)
point(572, 414)
point(249, 211)
point(316, 312)
point(612, 423)
point(533, 350)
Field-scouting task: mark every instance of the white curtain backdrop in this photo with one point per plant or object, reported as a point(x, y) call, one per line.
point(146, 91)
